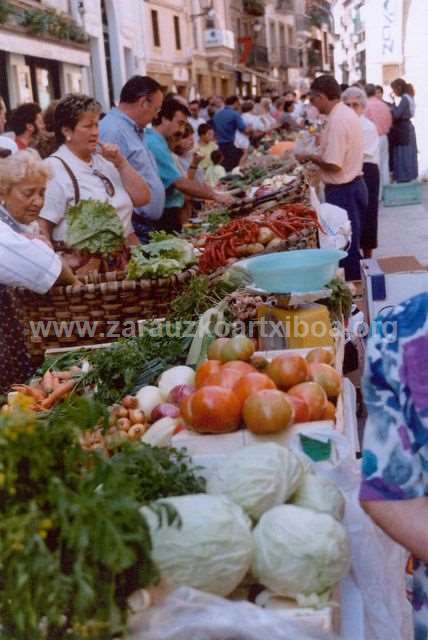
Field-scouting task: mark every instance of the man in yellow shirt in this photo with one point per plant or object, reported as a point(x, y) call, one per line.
point(206, 145)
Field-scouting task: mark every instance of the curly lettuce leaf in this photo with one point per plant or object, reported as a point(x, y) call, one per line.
point(94, 226)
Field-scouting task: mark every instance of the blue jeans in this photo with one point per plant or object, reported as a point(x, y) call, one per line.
point(353, 197)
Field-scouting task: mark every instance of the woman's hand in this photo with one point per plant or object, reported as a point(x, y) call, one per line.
point(224, 198)
point(112, 153)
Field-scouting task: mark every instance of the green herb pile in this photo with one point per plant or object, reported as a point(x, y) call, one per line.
point(340, 302)
point(199, 295)
point(95, 227)
point(73, 545)
point(160, 259)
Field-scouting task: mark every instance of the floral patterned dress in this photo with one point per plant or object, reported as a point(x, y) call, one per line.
point(395, 456)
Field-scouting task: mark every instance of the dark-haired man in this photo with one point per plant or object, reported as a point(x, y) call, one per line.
point(227, 122)
point(140, 101)
point(170, 121)
point(341, 162)
point(195, 119)
point(26, 122)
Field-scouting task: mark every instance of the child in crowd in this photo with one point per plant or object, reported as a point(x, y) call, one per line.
point(206, 146)
point(215, 172)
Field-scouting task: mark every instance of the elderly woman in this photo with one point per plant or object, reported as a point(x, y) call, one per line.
point(356, 99)
point(84, 169)
point(402, 134)
point(25, 260)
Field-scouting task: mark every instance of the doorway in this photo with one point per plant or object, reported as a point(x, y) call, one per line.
point(45, 80)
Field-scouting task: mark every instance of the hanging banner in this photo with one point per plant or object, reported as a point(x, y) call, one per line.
point(392, 31)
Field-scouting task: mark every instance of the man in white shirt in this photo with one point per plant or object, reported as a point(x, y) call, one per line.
point(195, 120)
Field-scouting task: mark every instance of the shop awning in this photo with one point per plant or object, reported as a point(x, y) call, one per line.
point(13, 42)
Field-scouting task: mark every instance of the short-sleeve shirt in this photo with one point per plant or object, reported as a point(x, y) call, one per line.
point(167, 167)
point(371, 141)
point(342, 145)
point(395, 450)
point(118, 128)
point(227, 122)
point(26, 262)
point(380, 114)
point(60, 192)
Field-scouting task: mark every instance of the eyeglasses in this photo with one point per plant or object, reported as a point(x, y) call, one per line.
point(108, 185)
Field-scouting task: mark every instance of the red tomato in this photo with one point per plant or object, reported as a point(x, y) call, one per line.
point(205, 370)
point(301, 409)
point(251, 383)
point(327, 377)
point(242, 367)
point(186, 409)
point(314, 396)
point(226, 378)
point(268, 411)
point(288, 370)
point(329, 412)
point(215, 410)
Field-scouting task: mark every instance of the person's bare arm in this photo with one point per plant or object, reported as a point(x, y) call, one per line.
point(200, 190)
point(133, 183)
point(67, 276)
point(325, 166)
point(405, 521)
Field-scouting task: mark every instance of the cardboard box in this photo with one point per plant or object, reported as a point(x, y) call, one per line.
point(389, 281)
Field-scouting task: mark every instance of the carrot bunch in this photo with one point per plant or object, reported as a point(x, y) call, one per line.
point(48, 391)
point(254, 234)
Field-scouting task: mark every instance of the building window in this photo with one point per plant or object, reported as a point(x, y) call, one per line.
point(290, 36)
point(155, 28)
point(177, 33)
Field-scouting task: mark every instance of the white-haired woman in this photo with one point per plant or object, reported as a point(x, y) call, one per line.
point(25, 259)
point(356, 99)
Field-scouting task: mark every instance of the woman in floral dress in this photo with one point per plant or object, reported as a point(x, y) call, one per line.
point(395, 458)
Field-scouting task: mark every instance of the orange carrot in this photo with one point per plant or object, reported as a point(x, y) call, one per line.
point(38, 395)
point(58, 394)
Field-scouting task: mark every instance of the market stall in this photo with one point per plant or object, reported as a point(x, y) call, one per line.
point(259, 515)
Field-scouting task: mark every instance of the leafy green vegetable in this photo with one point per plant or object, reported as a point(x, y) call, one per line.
point(160, 259)
point(199, 295)
point(73, 545)
point(126, 365)
point(158, 236)
point(340, 302)
point(94, 226)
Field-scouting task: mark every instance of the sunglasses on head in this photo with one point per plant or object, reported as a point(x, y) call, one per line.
point(108, 185)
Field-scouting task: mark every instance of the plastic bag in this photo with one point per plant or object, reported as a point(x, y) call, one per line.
point(336, 225)
point(306, 143)
point(187, 614)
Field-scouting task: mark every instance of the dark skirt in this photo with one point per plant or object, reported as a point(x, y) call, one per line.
point(369, 219)
point(405, 159)
point(15, 363)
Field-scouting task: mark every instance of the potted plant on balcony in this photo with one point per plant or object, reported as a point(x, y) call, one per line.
point(254, 7)
point(5, 11)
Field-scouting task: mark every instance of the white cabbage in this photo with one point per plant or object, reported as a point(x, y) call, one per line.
point(320, 494)
point(257, 478)
point(211, 551)
point(299, 553)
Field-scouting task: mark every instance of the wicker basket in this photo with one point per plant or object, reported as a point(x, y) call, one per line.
point(102, 310)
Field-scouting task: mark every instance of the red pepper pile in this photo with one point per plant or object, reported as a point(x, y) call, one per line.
point(283, 221)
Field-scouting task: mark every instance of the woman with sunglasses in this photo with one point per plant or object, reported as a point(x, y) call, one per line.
point(83, 169)
point(356, 99)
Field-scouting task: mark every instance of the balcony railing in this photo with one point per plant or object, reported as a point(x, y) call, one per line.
point(289, 57)
point(286, 7)
point(259, 58)
point(303, 23)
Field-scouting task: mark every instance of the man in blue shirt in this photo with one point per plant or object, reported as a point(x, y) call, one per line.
point(171, 120)
point(140, 100)
point(227, 122)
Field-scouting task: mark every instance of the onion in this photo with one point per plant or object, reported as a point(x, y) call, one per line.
point(122, 412)
point(180, 393)
point(130, 402)
point(136, 416)
point(164, 410)
point(137, 431)
point(161, 432)
point(148, 398)
point(124, 424)
point(174, 377)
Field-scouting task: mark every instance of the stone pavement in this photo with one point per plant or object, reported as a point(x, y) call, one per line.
point(403, 231)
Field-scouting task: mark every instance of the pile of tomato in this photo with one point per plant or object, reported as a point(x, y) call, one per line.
point(234, 388)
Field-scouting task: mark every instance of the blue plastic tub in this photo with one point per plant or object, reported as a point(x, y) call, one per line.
point(402, 193)
point(293, 271)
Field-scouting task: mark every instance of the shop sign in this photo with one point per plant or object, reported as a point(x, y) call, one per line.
point(392, 29)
